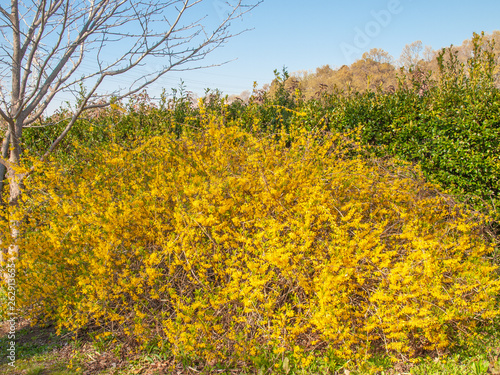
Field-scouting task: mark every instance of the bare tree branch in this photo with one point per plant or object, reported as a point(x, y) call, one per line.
point(55, 46)
point(90, 29)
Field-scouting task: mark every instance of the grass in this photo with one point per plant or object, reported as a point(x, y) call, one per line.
point(481, 358)
point(40, 351)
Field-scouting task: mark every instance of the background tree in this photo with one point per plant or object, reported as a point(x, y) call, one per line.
point(378, 55)
point(411, 55)
point(429, 54)
point(491, 42)
point(374, 70)
point(49, 46)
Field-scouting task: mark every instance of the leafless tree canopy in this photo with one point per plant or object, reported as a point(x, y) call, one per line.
point(47, 47)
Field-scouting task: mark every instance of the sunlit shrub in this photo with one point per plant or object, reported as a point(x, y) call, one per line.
point(228, 243)
point(450, 126)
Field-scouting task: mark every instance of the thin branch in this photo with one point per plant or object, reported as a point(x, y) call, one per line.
point(48, 65)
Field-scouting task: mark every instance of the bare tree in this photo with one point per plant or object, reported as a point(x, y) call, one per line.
point(411, 55)
point(378, 55)
point(47, 47)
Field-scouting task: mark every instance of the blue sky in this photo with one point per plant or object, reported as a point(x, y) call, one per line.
point(304, 35)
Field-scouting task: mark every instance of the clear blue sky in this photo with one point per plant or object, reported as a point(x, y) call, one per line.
point(304, 35)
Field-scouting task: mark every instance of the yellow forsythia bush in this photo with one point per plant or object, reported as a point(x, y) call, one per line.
point(226, 243)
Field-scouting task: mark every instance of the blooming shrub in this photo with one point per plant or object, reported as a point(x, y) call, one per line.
point(227, 243)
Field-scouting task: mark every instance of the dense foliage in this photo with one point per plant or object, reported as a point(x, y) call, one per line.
point(451, 127)
point(223, 244)
point(221, 231)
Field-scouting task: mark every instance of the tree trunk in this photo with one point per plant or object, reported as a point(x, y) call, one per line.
point(15, 183)
point(15, 128)
point(15, 193)
point(3, 169)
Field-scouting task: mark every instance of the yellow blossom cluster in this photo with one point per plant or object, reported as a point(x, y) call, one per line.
point(225, 243)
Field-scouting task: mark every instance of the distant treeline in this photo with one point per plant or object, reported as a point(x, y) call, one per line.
point(377, 69)
point(446, 120)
